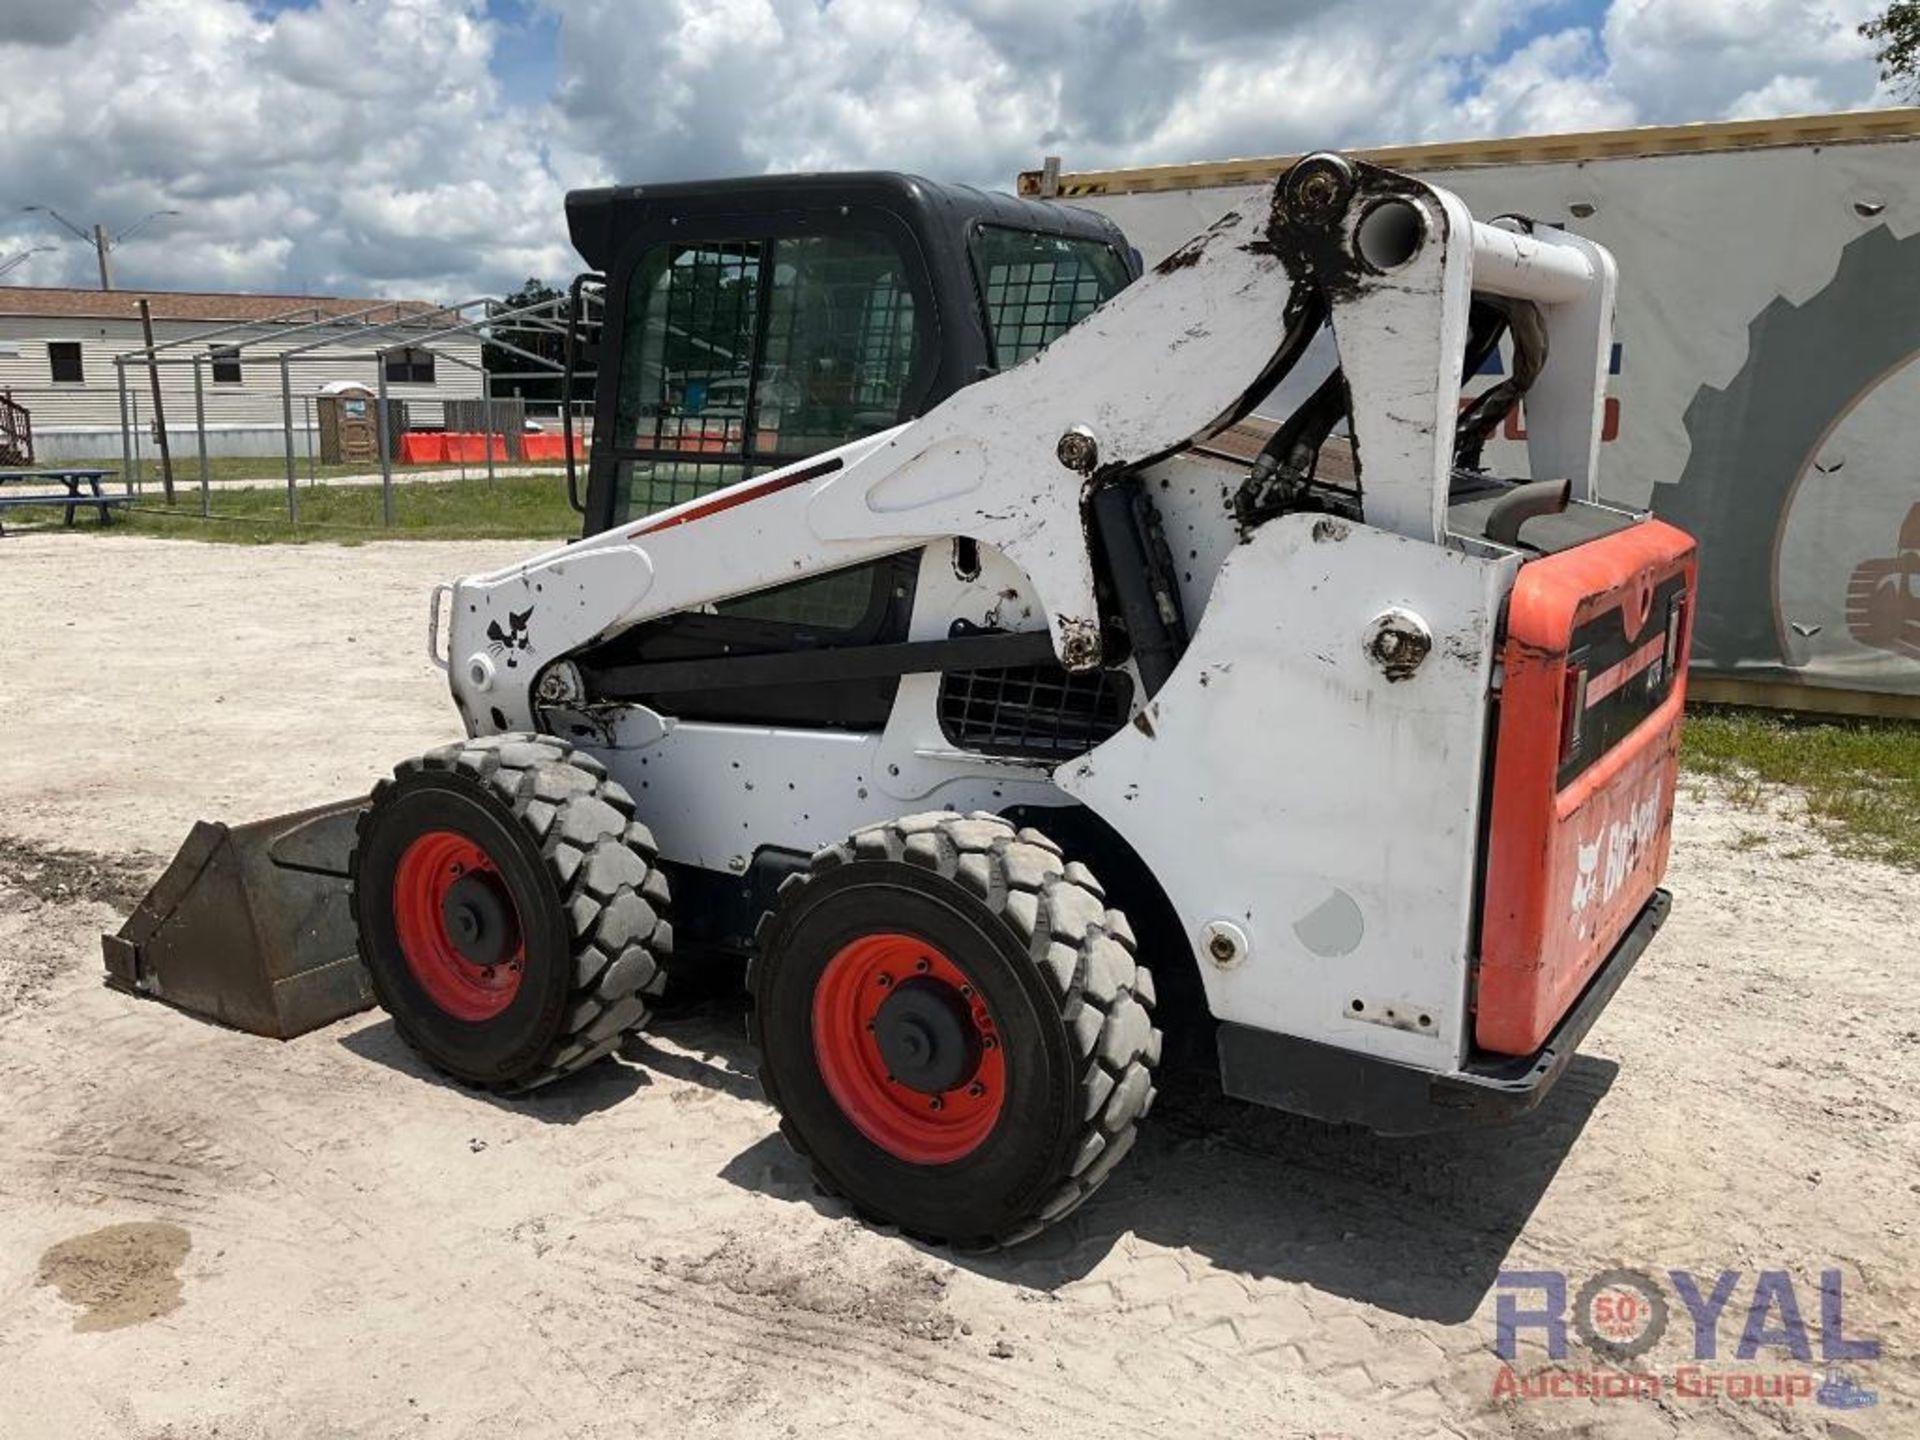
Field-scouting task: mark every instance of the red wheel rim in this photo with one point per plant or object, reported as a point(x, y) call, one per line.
point(428, 869)
point(920, 1126)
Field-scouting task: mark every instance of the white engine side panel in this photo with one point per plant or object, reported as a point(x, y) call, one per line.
point(1281, 784)
point(715, 793)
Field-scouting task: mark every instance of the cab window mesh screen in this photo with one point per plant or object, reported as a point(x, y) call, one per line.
point(689, 348)
point(839, 344)
point(642, 487)
point(740, 356)
point(1037, 287)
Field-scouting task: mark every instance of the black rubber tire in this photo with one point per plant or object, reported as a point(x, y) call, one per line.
point(1057, 967)
point(581, 871)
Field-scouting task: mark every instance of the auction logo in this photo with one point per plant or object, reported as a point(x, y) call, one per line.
point(1621, 1314)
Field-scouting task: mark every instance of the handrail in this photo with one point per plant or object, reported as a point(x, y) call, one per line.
point(576, 312)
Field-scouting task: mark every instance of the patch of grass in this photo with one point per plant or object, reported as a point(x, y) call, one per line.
point(509, 508)
point(266, 469)
point(1860, 778)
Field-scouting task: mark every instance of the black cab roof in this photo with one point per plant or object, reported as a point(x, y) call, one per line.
point(598, 219)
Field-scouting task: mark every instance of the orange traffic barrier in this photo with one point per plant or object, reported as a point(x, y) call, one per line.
point(534, 446)
point(422, 447)
point(469, 446)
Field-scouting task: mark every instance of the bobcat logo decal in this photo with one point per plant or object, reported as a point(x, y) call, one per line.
point(1587, 875)
point(514, 637)
point(1622, 843)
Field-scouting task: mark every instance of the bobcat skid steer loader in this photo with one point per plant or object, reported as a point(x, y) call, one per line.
point(928, 646)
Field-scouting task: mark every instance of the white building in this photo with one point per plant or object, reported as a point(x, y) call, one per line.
point(57, 350)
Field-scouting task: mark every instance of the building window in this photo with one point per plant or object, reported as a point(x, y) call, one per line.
point(226, 364)
point(409, 366)
point(63, 359)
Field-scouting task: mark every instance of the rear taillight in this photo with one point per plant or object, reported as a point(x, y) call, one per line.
point(1676, 634)
point(1573, 707)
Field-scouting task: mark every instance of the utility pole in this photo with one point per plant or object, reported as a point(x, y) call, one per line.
point(101, 245)
point(153, 372)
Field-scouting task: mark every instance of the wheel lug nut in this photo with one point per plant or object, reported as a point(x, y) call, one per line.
point(987, 1042)
point(936, 1103)
point(923, 965)
point(966, 992)
point(976, 1089)
point(884, 981)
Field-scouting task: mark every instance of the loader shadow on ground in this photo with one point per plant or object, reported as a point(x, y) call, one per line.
point(564, 1103)
point(1418, 1226)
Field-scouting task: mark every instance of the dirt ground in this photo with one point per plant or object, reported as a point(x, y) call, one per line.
point(205, 1233)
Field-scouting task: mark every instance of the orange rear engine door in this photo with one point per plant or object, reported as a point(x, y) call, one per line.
point(1584, 767)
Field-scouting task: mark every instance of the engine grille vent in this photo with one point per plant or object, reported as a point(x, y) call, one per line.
point(1045, 711)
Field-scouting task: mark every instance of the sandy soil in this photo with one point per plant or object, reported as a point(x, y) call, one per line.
point(363, 1250)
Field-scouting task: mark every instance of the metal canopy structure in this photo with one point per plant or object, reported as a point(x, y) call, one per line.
point(382, 329)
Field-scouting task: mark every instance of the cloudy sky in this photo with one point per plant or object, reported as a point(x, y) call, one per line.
point(422, 146)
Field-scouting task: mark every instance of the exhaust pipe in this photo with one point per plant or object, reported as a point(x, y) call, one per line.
point(250, 926)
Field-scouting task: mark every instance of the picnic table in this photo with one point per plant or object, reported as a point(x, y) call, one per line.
point(74, 479)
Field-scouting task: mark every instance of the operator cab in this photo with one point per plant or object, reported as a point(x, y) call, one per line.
point(752, 323)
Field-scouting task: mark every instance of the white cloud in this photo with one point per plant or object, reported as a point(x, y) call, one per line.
point(1555, 82)
point(343, 147)
point(369, 145)
point(976, 89)
point(1698, 59)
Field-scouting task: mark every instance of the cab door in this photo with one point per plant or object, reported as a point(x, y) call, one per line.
point(726, 356)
